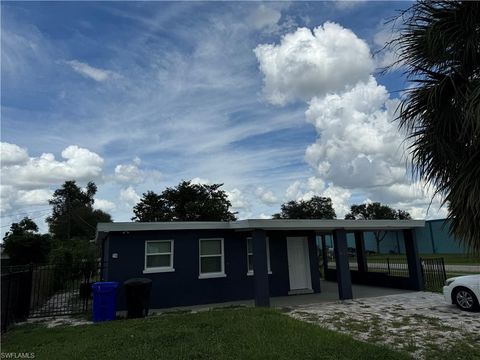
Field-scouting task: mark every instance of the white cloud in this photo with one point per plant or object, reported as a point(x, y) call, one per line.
point(264, 16)
point(307, 64)
point(80, 164)
point(8, 195)
point(359, 149)
point(27, 181)
point(129, 196)
point(266, 196)
point(104, 205)
point(340, 199)
point(132, 174)
point(264, 216)
point(11, 154)
point(128, 173)
point(359, 145)
point(237, 199)
point(91, 72)
point(34, 197)
point(200, 181)
point(301, 190)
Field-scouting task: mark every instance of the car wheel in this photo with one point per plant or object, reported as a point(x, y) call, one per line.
point(465, 299)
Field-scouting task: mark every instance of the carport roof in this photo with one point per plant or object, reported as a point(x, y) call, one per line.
point(266, 224)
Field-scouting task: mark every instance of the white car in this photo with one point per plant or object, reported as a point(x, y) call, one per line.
point(463, 291)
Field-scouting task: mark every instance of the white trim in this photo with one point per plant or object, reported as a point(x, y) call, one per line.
point(266, 224)
point(209, 275)
point(212, 275)
point(149, 270)
point(269, 267)
point(158, 270)
point(250, 273)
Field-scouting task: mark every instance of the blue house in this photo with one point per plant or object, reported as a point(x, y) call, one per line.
point(193, 263)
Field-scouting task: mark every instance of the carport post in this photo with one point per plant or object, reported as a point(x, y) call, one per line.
point(344, 280)
point(260, 268)
point(360, 249)
point(324, 256)
point(414, 265)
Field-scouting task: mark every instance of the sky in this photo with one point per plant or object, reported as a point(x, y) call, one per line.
point(278, 101)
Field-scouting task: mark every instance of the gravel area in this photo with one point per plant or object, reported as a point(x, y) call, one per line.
point(420, 323)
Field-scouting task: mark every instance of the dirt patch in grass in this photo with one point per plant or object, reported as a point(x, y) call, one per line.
point(421, 324)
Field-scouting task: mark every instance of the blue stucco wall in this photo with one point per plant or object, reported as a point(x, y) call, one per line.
point(183, 287)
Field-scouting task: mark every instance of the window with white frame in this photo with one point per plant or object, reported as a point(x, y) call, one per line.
point(250, 256)
point(158, 256)
point(211, 258)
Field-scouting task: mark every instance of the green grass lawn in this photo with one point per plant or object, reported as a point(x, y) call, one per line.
point(244, 333)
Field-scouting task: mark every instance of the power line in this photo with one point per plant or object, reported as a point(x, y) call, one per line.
point(33, 218)
point(25, 212)
point(93, 227)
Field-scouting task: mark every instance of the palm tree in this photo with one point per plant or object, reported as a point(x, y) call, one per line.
point(439, 48)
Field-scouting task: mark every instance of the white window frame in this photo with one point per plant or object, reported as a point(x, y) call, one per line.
point(150, 270)
point(200, 256)
point(250, 272)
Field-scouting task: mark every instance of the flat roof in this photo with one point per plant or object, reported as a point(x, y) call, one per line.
point(266, 224)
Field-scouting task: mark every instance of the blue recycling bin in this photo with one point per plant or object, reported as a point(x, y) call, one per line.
point(104, 300)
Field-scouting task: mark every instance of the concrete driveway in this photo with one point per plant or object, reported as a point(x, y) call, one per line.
point(420, 323)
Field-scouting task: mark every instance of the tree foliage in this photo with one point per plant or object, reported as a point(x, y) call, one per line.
point(376, 211)
point(24, 245)
point(438, 46)
point(73, 215)
point(185, 202)
point(316, 208)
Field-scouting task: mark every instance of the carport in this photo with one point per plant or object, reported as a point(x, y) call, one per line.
point(342, 272)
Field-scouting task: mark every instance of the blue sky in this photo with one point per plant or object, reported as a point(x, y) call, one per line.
point(138, 96)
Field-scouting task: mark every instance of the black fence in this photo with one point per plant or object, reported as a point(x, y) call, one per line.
point(46, 290)
point(434, 275)
point(15, 297)
point(391, 267)
point(393, 272)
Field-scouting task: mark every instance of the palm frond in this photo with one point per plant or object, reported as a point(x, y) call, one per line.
point(439, 48)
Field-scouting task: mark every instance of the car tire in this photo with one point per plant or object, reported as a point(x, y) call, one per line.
point(465, 299)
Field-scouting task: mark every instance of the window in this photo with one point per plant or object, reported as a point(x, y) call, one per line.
point(158, 256)
point(211, 258)
point(250, 256)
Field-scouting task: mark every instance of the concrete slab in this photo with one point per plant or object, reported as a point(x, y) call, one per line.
point(329, 293)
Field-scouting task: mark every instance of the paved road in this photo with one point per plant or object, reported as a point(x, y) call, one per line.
point(470, 269)
point(463, 268)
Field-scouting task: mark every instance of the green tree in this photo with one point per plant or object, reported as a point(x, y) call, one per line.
point(376, 211)
point(24, 245)
point(316, 208)
point(152, 207)
point(438, 46)
point(73, 215)
point(185, 202)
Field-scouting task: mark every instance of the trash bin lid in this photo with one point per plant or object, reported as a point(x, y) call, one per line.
point(106, 285)
point(137, 281)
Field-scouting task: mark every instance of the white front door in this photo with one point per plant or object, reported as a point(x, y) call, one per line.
point(298, 263)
